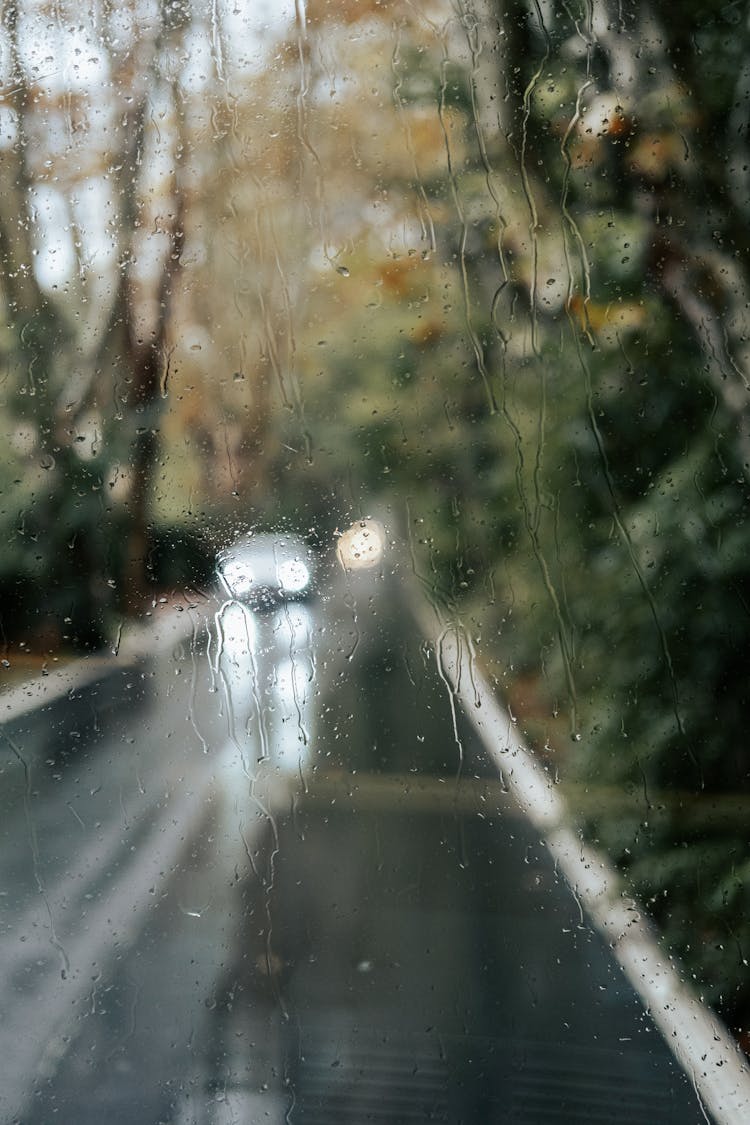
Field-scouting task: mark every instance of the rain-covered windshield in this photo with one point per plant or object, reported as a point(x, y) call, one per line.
point(374, 598)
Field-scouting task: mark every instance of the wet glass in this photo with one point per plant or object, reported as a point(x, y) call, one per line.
point(374, 600)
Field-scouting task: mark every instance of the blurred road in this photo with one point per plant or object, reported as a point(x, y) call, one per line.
point(362, 928)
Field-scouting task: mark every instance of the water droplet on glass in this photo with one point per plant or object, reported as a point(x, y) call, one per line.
point(343, 271)
point(47, 461)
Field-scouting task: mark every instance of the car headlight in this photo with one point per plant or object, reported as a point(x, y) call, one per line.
point(237, 577)
point(293, 576)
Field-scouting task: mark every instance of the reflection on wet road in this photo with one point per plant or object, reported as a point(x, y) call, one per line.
point(248, 882)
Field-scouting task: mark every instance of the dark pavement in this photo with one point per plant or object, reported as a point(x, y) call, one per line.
point(371, 932)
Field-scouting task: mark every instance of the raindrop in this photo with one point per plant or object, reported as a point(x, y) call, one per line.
point(343, 270)
point(47, 461)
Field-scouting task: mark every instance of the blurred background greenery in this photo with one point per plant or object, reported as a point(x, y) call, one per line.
point(484, 261)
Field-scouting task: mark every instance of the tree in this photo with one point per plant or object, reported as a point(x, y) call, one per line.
point(536, 255)
point(109, 161)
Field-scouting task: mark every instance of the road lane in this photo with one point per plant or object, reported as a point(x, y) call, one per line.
point(431, 962)
point(387, 941)
point(422, 959)
point(101, 791)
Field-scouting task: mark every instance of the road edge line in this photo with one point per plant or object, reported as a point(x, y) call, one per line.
point(169, 627)
point(699, 1041)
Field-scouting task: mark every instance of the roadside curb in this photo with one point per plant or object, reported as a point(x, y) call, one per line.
point(168, 627)
point(699, 1041)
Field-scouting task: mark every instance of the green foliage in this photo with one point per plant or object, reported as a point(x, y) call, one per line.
point(572, 471)
point(178, 557)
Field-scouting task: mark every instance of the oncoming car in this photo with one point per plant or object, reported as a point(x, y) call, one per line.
point(264, 655)
point(263, 571)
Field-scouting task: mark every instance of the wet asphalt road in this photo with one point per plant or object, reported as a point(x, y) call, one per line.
point(370, 932)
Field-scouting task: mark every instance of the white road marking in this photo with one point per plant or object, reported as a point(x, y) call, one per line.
point(31, 1049)
point(169, 628)
point(697, 1038)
